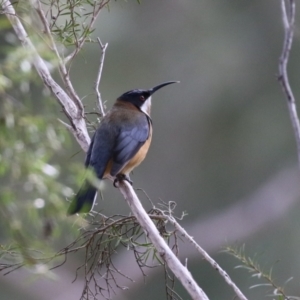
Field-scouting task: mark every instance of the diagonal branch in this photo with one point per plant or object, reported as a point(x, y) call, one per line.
point(206, 256)
point(288, 8)
point(179, 270)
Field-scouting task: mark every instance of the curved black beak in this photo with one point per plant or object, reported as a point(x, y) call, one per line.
point(153, 90)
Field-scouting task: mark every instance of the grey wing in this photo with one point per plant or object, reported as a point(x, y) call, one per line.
point(101, 149)
point(130, 139)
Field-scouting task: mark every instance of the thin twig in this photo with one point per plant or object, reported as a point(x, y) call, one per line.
point(97, 83)
point(206, 256)
point(288, 8)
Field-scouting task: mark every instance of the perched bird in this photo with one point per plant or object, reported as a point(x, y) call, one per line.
point(119, 144)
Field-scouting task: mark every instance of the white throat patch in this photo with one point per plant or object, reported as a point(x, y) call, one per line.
point(146, 107)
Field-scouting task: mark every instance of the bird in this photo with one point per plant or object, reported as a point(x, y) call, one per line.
point(119, 144)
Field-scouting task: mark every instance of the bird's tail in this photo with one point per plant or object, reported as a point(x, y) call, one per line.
point(84, 200)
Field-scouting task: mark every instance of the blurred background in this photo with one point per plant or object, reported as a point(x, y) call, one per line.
point(223, 146)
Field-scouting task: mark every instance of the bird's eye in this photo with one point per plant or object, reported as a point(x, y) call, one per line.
point(142, 98)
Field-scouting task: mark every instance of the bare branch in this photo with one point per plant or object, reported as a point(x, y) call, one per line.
point(247, 216)
point(206, 256)
point(288, 8)
point(69, 108)
point(97, 83)
point(182, 273)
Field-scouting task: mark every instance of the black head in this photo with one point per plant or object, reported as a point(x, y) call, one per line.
point(139, 97)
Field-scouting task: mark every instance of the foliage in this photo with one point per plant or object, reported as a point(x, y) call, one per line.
point(71, 21)
point(99, 240)
point(253, 267)
point(33, 194)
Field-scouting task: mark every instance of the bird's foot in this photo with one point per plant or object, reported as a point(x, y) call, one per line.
point(121, 177)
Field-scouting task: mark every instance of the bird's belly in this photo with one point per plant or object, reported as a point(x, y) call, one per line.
point(138, 158)
point(107, 170)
